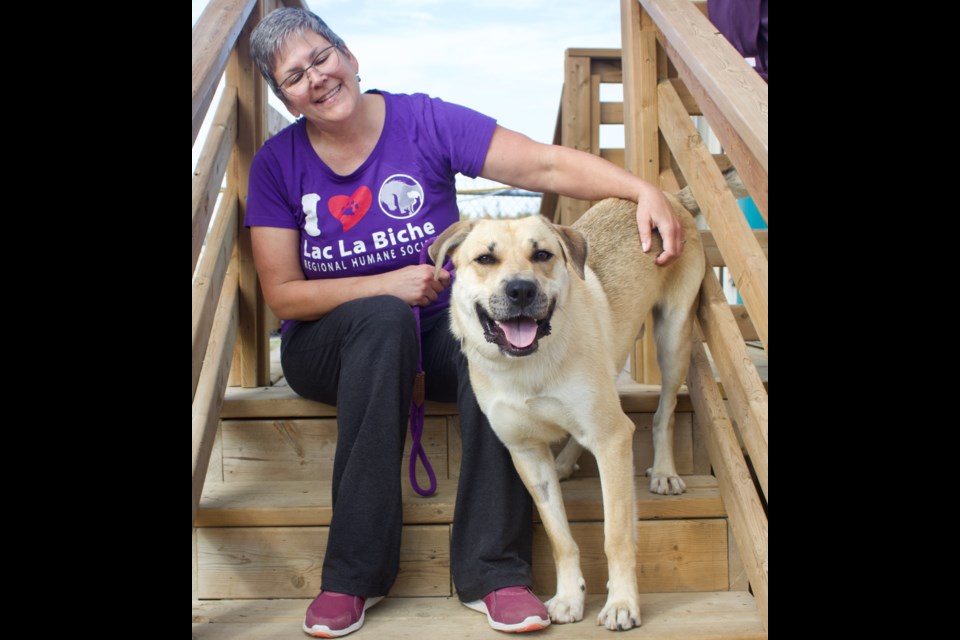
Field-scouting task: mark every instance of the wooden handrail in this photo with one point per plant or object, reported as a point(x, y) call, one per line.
point(731, 230)
point(221, 291)
point(747, 519)
point(741, 381)
point(209, 279)
point(732, 94)
point(213, 382)
point(212, 164)
point(214, 35)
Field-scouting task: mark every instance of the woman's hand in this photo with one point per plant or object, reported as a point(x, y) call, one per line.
point(415, 284)
point(654, 212)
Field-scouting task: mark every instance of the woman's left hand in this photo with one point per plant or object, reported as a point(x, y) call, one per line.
point(654, 212)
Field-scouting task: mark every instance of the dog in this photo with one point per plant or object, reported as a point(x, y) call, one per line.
point(546, 316)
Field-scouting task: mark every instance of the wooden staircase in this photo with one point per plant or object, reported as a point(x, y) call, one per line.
point(262, 523)
point(262, 456)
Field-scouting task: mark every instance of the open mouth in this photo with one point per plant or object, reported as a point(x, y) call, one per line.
point(517, 336)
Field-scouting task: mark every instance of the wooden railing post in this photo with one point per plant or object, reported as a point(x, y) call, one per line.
point(253, 361)
point(641, 141)
point(576, 123)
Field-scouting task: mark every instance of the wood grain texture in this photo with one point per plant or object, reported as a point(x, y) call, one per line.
point(672, 555)
point(733, 235)
point(213, 381)
point(746, 515)
point(303, 449)
point(214, 36)
point(210, 169)
point(258, 562)
point(287, 503)
point(253, 355)
point(728, 80)
point(208, 281)
point(741, 381)
point(716, 615)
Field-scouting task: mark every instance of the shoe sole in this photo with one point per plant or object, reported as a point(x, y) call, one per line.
point(323, 631)
point(531, 623)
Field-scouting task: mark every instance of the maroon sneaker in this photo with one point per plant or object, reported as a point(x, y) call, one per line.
point(332, 615)
point(512, 609)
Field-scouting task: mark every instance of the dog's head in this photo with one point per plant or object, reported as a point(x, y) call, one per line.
point(511, 276)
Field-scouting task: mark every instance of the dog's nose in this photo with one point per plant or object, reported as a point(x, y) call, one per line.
point(521, 292)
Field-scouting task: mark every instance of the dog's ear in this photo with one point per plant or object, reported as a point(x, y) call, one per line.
point(447, 241)
point(574, 247)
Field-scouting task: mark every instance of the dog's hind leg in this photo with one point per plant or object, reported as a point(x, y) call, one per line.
point(535, 465)
point(567, 458)
point(672, 333)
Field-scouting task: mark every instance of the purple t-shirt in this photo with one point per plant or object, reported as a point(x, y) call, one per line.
point(377, 218)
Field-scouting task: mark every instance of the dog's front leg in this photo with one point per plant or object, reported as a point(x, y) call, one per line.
point(615, 462)
point(535, 465)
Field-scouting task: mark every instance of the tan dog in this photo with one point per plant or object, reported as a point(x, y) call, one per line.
point(546, 316)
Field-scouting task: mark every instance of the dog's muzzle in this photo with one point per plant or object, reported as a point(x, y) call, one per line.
point(517, 318)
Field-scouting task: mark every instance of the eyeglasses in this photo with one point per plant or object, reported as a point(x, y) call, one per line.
point(326, 62)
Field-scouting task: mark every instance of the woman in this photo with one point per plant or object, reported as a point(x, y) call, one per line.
point(340, 205)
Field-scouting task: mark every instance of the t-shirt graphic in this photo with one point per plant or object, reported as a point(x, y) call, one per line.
point(401, 197)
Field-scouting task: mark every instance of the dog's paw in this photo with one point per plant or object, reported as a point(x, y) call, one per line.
point(664, 483)
point(563, 610)
point(620, 614)
point(564, 471)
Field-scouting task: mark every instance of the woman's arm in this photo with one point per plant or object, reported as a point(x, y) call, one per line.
point(292, 297)
point(515, 159)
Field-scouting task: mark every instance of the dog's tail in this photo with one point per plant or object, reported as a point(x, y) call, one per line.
point(685, 196)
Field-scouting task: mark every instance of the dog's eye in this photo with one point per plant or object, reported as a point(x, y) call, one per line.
point(486, 258)
point(542, 256)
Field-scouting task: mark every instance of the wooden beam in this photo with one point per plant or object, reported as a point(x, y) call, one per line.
point(214, 35)
point(689, 101)
point(208, 176)
point(213, 383)
point(209, 280)
point(641, 140)
point(741, 381)
point(731, 230)
point(715, 258)
point(550, 203)
point(616, 156)
point(746, 516)
point(639, 92)
point(254, 352)
point(575, 132)
point(731, 94)
point(611, 113)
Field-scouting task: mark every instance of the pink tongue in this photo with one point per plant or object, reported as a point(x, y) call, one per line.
point(520, 332)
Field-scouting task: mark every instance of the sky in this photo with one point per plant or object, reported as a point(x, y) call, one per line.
point(503, 58)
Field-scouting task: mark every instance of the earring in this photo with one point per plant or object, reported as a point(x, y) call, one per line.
point(358, 78)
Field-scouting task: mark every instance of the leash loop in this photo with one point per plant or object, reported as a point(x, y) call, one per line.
point(417, 407)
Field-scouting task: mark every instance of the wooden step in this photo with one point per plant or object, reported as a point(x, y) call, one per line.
point(267, 539)
point(283, 402)
point(721, 615)
point(308, 503)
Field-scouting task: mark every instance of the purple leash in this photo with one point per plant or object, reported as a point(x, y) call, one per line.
point(417, 406)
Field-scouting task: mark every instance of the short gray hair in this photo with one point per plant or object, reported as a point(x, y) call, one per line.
point(269, 37)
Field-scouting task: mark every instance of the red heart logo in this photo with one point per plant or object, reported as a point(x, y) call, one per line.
point(350, 209)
